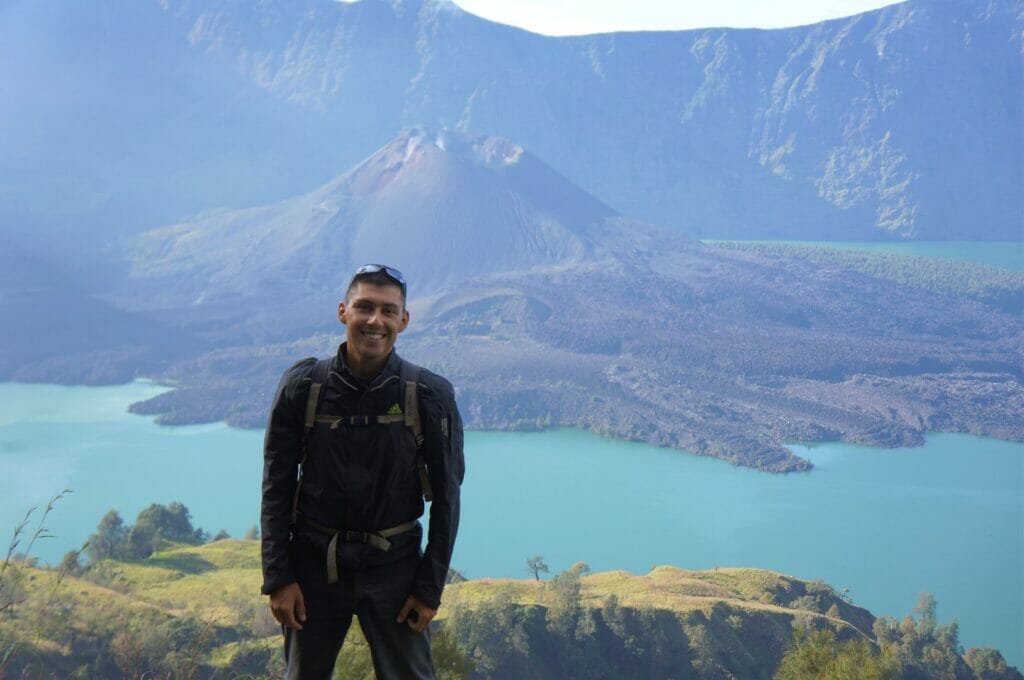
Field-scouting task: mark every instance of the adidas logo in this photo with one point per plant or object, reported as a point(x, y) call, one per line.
point(395, 410)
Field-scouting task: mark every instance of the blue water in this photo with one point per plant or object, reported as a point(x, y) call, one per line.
point(1004, 254)
point(887, 524)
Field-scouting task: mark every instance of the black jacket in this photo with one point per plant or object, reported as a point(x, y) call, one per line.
point(361, 478)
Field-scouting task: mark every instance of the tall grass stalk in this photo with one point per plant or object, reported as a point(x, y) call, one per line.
point(13, 568)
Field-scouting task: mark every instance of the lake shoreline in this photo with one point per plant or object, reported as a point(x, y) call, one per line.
point(690, 511)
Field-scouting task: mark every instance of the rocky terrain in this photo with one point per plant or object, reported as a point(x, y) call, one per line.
point(553, 310)
point(903, 122)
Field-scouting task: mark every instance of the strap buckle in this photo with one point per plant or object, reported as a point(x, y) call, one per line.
point(350, 536)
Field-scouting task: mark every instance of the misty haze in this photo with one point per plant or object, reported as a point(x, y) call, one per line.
point(735, 318)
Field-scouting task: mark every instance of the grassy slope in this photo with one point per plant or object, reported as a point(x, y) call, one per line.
point(219, 583)
point(669, 589)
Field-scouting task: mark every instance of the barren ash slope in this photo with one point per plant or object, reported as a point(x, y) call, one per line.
point(546, 307)
point(447, 206)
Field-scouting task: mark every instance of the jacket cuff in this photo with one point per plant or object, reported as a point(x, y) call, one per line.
point(270, 585)
point(428, 596)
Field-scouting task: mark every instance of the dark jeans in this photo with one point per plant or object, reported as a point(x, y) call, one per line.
point(375, 595)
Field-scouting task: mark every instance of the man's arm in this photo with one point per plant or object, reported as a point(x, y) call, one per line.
point(442, 451)
point(282, 451)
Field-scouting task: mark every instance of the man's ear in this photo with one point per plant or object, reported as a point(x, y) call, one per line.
point(405, 320)
point(341, 311)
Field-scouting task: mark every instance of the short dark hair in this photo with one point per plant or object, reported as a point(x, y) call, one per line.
point(378, 278)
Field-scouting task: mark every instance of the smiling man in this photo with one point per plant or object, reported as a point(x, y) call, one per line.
point(355, 444)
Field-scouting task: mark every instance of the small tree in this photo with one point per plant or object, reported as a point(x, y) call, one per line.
point(989, 664)
point(923, 647)
point(566, 603)
point(817, 655)
point(535, 565)
point(174, 522)
point(159, 522)
point(70, 564)
point(110, 539)
point(252, 533)
point(579, 569)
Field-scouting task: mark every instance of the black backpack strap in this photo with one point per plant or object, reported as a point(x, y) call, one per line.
point(410, 378)
point(317, 381)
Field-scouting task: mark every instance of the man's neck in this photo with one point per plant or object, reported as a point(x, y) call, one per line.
point(362, 369)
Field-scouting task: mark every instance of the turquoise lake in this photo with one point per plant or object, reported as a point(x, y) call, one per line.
point(947, 517)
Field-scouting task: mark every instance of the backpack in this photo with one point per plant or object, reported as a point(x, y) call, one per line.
point(410, 374)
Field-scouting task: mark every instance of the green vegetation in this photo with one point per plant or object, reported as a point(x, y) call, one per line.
point(535, 565)
point(917, 648)
point(154, 526)
point(999, 288)
point(668, 623)
point(190, 610)
point(817, 655)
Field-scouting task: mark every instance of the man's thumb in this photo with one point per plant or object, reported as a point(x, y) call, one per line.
point(406, 608)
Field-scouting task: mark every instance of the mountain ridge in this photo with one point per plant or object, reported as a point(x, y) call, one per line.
point(822, 131)
point(629, 329)
point(427, 199)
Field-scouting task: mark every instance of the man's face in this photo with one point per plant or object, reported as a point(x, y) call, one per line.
point(373, 316)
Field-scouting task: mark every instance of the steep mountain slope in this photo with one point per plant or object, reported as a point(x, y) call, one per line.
point(547, 308)
point(448, 204)
point(903, 122)
point(54, 329)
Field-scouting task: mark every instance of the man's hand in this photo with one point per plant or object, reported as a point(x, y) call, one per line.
point(288, 606)
point(416, 614)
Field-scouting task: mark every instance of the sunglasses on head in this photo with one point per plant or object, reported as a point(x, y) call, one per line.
point(374, 268)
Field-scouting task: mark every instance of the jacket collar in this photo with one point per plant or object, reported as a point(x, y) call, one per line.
point(392, 369)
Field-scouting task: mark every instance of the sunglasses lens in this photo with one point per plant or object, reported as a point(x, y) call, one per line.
point(390, 271)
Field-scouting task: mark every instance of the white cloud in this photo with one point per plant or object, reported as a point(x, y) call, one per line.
point(574, 17)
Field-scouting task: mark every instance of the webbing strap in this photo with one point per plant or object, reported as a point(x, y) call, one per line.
point(319, 377)
point(412, 412)
point(411, 376)
point(311, 402)
point(356, 421)
point(376, 539)
point(421, 466)
point(332, 560)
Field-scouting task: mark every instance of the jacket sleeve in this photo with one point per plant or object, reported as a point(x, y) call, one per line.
point(442, 452)
point(282, 452)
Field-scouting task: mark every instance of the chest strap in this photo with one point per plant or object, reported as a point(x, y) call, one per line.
point(410, 375)
point(358, 421)
point(376, 539)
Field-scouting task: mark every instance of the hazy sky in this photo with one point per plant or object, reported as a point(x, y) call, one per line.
point(571, 17)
